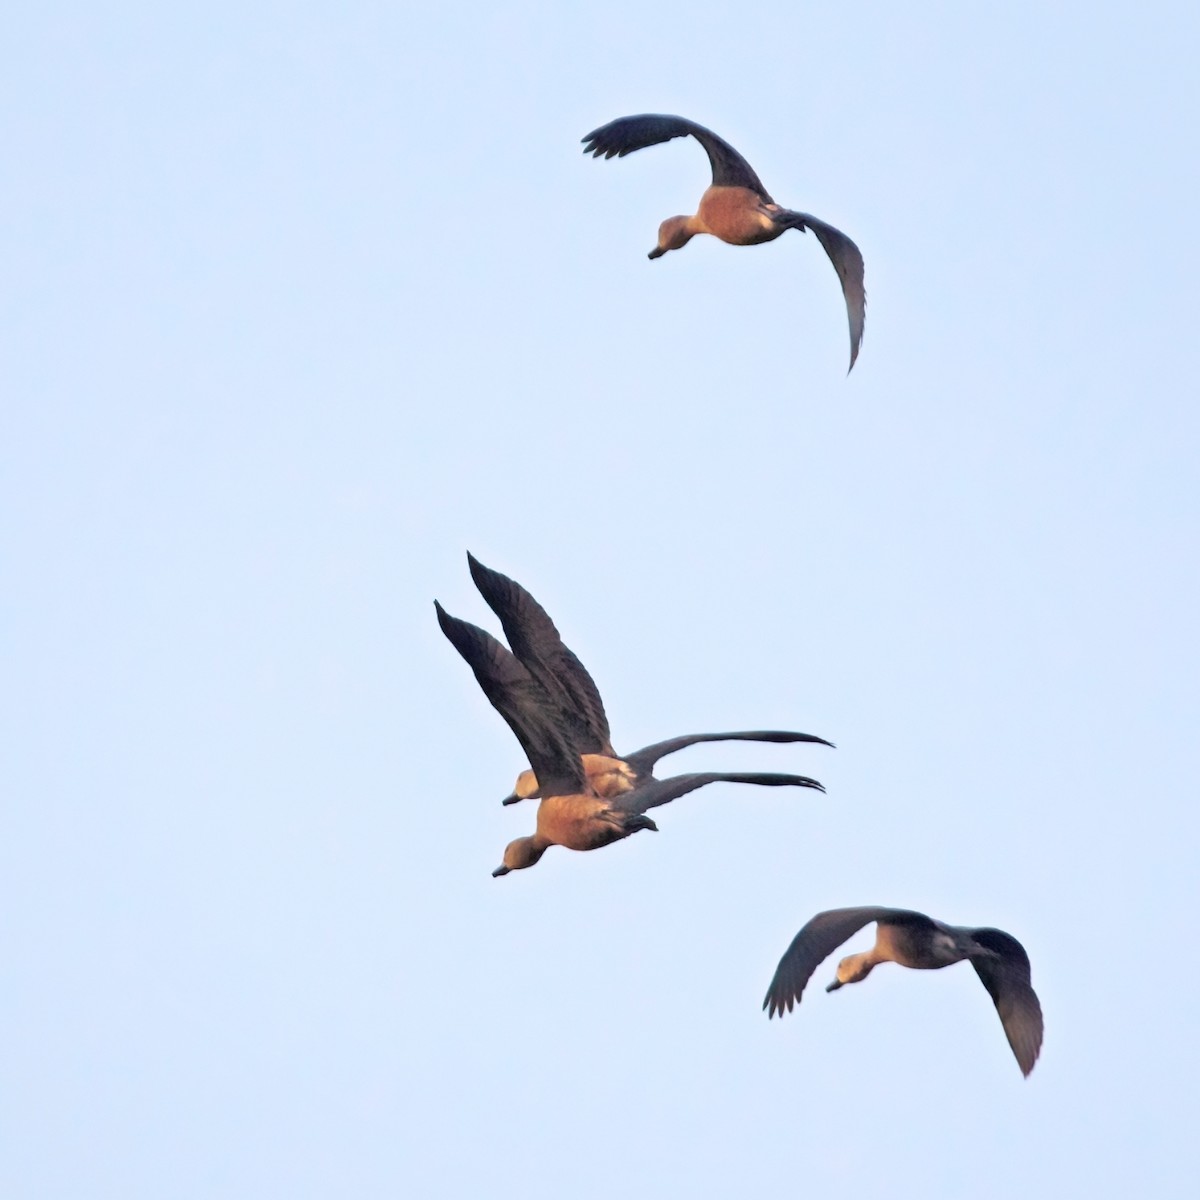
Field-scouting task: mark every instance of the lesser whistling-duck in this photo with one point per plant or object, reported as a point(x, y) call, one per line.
point(536, 642)
point(736, 207)
point(572, 813)
point(915, 940)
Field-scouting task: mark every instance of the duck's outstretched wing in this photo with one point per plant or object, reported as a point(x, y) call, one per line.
point(536, 642)
point(847, 261)
point(522, 702)
point(627, 134)
point(643, 760)
point(1007, 980)
point(654, 792)
point(816, 941)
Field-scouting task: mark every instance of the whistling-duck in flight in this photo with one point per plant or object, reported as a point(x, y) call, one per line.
point(572, 813)
point(537, 644)
point(915, 940)
point(736, 208)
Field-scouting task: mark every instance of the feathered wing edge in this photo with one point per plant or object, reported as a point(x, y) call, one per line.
point(847, 261)
point(644, 760)
point(655, 792)
point(521, 701)
point(815, 942)
point(1008, 980)
point(535, 640)
point(627, 134)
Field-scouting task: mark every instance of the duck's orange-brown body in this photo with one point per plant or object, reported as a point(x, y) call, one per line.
point(578, 822)
point(735, 215)
point(919, 950)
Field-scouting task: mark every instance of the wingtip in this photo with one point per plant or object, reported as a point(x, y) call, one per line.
point(776, 1006)
point(479, 572)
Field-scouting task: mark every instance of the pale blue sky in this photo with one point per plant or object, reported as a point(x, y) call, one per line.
point(301, 302)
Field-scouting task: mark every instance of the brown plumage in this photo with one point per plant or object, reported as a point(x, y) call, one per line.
point(736, 207)
point(914, 940)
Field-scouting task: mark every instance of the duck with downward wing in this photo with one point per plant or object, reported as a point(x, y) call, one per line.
point(914, 940)
point(736, 207)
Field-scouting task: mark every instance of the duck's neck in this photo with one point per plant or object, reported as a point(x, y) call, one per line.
point(856, 967)
point(675, 232)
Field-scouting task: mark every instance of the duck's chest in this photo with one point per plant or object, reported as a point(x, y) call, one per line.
point(735, 215)
point(577, 822)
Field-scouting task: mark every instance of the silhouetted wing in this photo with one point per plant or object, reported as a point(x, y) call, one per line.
point(1007, 980)
point(654, 792)
point(817, 941)
point(627, 134)
point(522, 702)
point(847, 261)
point(643, 760)
point(537, 643)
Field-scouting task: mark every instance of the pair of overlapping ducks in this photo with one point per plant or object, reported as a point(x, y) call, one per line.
point(591, 796)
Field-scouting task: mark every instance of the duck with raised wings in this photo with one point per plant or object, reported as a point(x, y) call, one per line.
point(573, 812)
point(536, 642)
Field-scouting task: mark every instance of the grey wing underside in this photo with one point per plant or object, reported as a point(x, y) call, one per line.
point(643, 760)
point(655, 792)
point(847, 261)
point(627, 134)
point(522, 702)
point(535, 640)
point(816, 941)
point(1007, 980)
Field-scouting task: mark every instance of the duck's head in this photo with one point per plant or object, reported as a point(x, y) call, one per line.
point(526, 788)
point(519, 854)
point(852, 969)
point(673, 234)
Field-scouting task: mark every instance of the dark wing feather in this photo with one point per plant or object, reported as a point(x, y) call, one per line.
point(643, 760)
point(1007, 980)
point(654, 792)
point(536, 642)
point(522, 702)
point(847, 261)
point(627, 134)
point(817, 941)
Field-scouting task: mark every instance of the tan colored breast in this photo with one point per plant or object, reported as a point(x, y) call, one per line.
point(577, 822)
point(734, 215)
